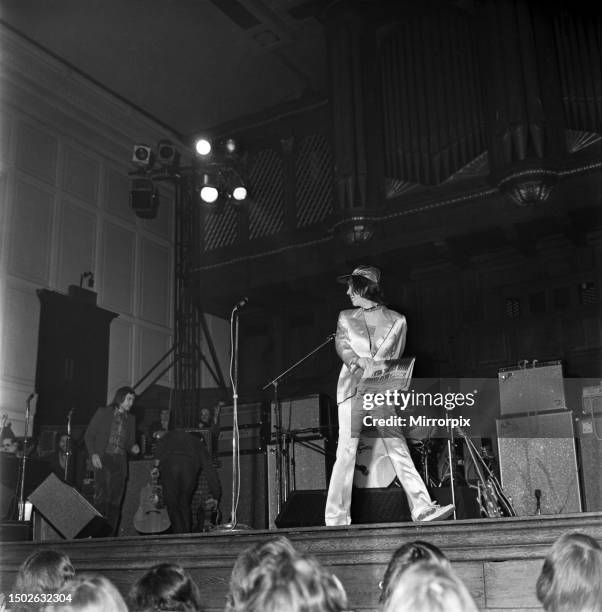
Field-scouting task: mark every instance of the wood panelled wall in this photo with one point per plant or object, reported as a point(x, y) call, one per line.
point(64, 189)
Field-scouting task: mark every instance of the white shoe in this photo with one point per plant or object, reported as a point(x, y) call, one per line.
point(436, 513)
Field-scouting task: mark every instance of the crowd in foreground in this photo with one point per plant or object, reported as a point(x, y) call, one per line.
point(274, 577)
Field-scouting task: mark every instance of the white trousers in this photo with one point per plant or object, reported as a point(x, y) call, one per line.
point(338, 502)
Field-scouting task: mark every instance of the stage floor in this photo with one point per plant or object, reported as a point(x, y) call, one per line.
point(499, 559)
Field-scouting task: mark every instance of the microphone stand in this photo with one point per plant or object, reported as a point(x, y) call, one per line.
point(24, 462)
point(68, 449)
point(283, 480)
point(235, 442)
point(450, 462)
point(450, 458)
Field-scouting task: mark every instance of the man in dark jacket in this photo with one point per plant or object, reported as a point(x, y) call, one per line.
point(181, 457)
point(109, 437)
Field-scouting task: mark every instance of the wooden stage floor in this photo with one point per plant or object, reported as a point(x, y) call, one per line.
point(499, 559)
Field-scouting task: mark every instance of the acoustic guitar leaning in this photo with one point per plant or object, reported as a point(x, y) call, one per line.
point(151, 516)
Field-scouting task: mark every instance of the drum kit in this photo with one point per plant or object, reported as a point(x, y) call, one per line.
point(429, 451)
point(444, 458)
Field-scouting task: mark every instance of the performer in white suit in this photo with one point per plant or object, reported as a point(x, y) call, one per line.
point(368, 334)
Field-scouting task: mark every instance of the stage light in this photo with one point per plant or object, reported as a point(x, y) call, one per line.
point(239, 193)
point(167, 154)
point(209, 191)
point(203, 147)
point(142, 155)
point(231, 146)
point(209, 194)
point(144, 198)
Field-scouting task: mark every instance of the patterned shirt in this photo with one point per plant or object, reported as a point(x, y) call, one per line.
point(117, 437)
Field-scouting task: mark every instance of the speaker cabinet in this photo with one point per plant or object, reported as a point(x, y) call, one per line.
point(253, 428)
point(538, 453)
point(15, 531)
point(306, 414)
point(306, 508)
point(309, 420)
point(589, 431)
point(73, 359)
point(70, 514)
point(303, 509)
point(252, 510)
point(536, 389)
point(467, 504)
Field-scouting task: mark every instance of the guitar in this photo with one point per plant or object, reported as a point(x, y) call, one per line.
point(151, 516)
point(491, 497)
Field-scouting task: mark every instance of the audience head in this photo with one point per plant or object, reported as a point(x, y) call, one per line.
point(571, 577)
point(270, 553)
point(427, 587)
point(9, 443)
point(89, 593)
point(167, 586)
point(296, 584)
point(404, 557)
point(44, 571)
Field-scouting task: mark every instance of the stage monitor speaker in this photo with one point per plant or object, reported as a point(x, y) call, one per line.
point(379, 506)
point(534, 389)
point(67, 511)
point(306, 508)
point(303, 509)
point(252, 509)
point(467, 504)
point(589, 431)
point(15, 531)
point(537, 453)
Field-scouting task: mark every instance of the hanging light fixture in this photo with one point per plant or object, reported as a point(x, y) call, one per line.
point(203, 147)
point(355, 231)
point(239, 193)
point(529, 187)
point(209, 191)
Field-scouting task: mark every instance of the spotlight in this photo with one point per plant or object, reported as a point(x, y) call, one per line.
point(144, 198)
point(142, 155)
point(231, 146)
point(167, 154)
point(209, 191)
point(239, 193)
point(203, 147)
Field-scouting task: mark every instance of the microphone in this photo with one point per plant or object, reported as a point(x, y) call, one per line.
point(242, 303)
point(31, 396)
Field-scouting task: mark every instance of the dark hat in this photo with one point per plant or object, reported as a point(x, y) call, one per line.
point(369, 272)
